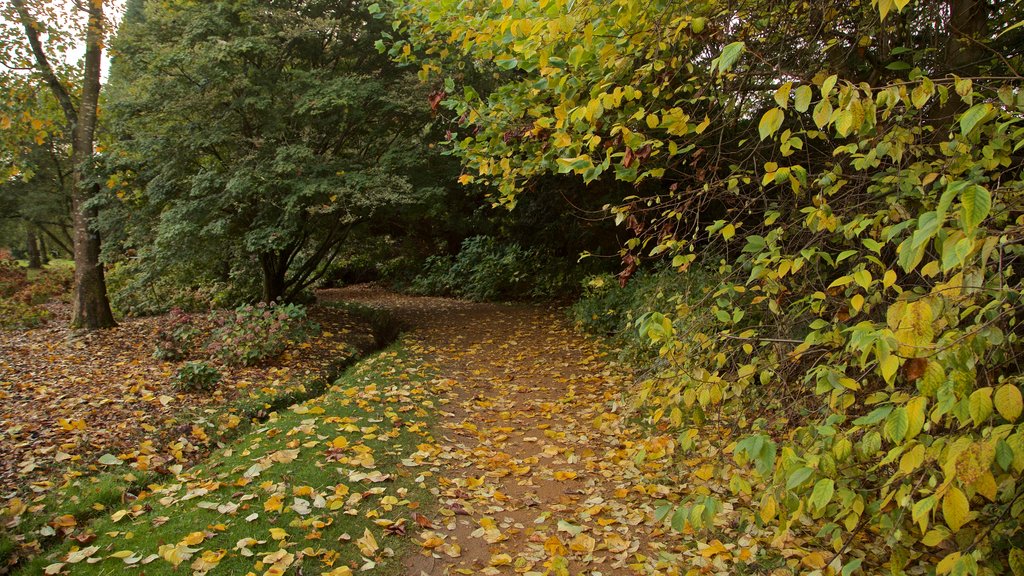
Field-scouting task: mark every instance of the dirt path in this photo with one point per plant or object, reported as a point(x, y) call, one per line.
point(538, 470)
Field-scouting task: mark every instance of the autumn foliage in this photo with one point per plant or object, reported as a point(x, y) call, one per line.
point(851, 178)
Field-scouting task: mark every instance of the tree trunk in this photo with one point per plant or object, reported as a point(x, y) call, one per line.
point(963, 52)
point(32, 247)
point(44, 255)
point(273, 277)
point(91, 307)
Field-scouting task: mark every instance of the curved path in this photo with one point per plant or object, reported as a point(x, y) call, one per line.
point(538, 469)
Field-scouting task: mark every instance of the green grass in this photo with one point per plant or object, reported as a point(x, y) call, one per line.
point(377, 407)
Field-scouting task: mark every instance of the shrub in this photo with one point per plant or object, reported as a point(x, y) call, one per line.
point(488, 269)
point(255, 333)
point(610, 310)
point(177, 339)
point(196, 376)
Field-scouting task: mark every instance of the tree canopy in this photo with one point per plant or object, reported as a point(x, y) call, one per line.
point(258, 132)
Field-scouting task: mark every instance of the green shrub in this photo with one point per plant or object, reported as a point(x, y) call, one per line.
point(196, 376)
point(254, 333)
point(177, 338)
point(610, 310)
point(486, 269)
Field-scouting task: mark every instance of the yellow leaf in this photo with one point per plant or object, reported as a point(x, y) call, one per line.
point(916, 413)
point(768, 508)
point(1008, 402)
point(175, 553)
point(208, 560)
point(728, 231)
point(274, 504)
point(565, 475)
point(814, 561)
point(912, 459)
point(583, 543)
point(367, 544)
point(339, 571)
point(122, 554)
point(65, 521)
point(194, 538)
point(945, 566)
point(501, 560)
point(278, 533)
point(889, 279)
point(955, 508)
point(857, 302)
point(913, 325)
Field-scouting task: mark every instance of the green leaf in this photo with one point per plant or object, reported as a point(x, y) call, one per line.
point(976, 202)
point(770, 122)
point(919, 513)
point(803, 98)
point(730, 54)
point(973, 116)
point(822, 493)
point(850, 567)
point(110, 460)
point(897, 425)
point(373, 8)
point(798, 477)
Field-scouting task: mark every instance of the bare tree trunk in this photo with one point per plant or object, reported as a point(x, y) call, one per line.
point(91, 306)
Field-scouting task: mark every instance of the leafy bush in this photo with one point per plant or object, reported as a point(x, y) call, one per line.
point(608, 309)
point(137, 291)
point(487, 269)
point(177, 339)
point(196, 376)
point(255, 333)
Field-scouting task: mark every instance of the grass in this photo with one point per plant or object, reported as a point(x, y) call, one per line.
point(304, 487)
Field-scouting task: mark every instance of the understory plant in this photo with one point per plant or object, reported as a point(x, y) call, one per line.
point(254, 333)
point(196, 376)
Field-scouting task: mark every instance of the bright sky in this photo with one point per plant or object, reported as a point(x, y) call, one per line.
point(113, 9)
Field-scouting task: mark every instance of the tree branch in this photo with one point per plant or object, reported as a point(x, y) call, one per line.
point(43, 64)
